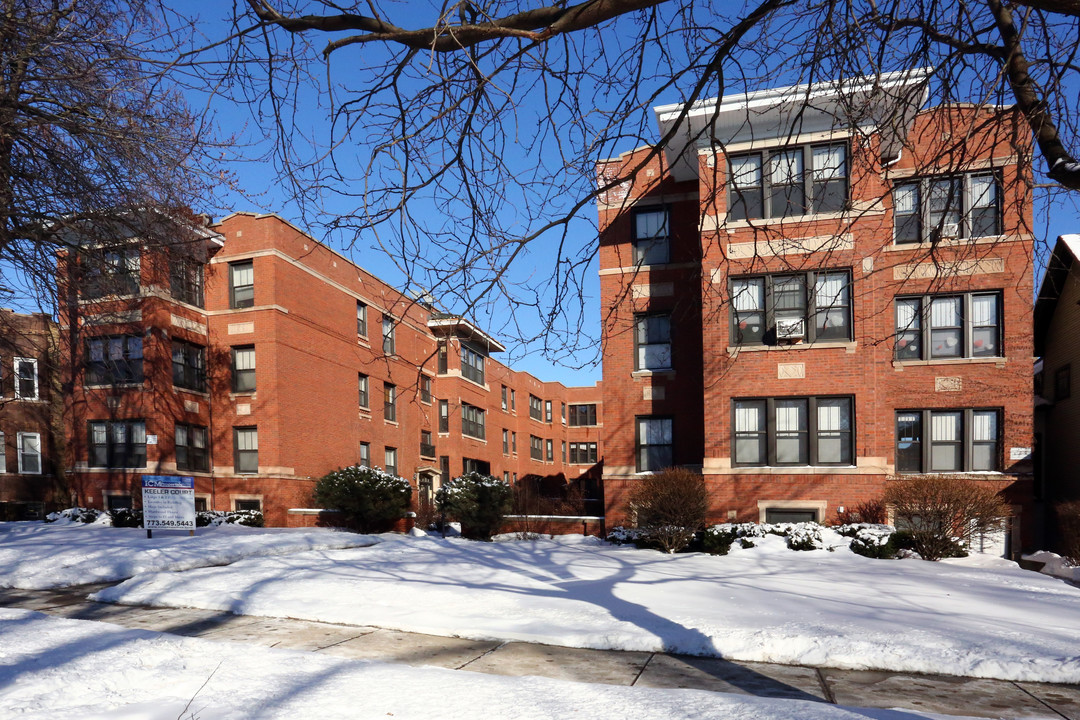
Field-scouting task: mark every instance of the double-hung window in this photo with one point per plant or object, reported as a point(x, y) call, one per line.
point(582, 415)
point(189, 366)
point(472, 421)
point(390, 460)
point(186, 280)
point(773, 309)
point(955, 206)
point(654, 443)
point(362, 384)
point(26, 378)
point(549, 446)
point(536, 447)
point(427, 446)
point(29, 445)
point(506, 442)
point(444, 416)
point(113, 360)
point(425, 389)
point(243, 368)
point(191, 448)
point(472, 364)
point(365, 454)
point(583, 453)
point(652, 242)
point(388, 344)
point(932, 327)
point(652, 342)
point(242, 284)
point(504, 393)
point(954, 440)
point(117, 444)
point(246, 450)
point(361, 318)
point(114, 272)
point(792, 431)
point(536, 408)
point(547, 411)
point(390, 402)
point(776, 184)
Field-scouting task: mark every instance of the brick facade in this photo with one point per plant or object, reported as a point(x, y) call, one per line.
point(714, 256)
point(301, 319)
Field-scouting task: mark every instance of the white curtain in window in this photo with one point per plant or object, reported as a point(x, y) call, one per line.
point(181, 435)
point(247, 440)
point(945, 312)
point(138, 433)
point(748, 295)
point(97, 432)
point(748, 418)
point(650, 224)
point(243, 275)
point(832, 415)
point(828, 162)
point(119, 433)
point(655, 431)
point(983, 191)
point(984, 427)
point(831, 290)
point(746, 171)
point(984, 310)
point(907, 316)
point(786, 167)
point(789, 417)
point(245, 359)
point(905, 199)
point(945, 427)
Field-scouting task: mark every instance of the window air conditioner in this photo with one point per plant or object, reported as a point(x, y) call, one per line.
point(950, 230)
point(793, 329)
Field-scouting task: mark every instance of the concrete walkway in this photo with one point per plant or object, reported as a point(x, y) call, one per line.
point(929, 693)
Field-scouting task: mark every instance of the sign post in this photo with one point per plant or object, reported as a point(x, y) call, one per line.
point(168, 503)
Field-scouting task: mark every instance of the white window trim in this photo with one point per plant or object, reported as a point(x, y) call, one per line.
point(15, 374)
point(820, 506)
point(19, 452)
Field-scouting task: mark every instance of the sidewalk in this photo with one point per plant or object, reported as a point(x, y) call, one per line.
point(929, 693)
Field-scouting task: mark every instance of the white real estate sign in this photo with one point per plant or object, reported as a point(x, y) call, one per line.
point(168, 502)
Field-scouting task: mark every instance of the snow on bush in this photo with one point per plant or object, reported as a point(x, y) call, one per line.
point(132, 518)
point(620, 535)
point(249, 518)
point(371, 499)
point(79, 515)
point(870, 540)
point(478, 502)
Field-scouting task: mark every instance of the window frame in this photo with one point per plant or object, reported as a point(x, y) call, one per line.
point(425, 389)
point(472, 364)
point(242, 457)
point(536, 408)
point(21, 454)
point(194, 460)
point(243, 374)
point(17, 364)
point(187, 281)
point(536, 448)
point(810, 437)
point(967, 442)
point(641, 327)
point(364, 452)
point(473, 422)
point(361, 318)
point(549, 450)
point(809, 312)
point(246, 302)
point(390, 459)
point(389, 339)
point(192, 367)
point(389, 402)
point(641, 448)
point(930, 230)
point(923, 327)
point(584, 453)
point(427, 444)
point(3, 452)
point(577, 410)
point(808, 187)
point(651, 250)
point(107, 371)
point(117, 273)
point(444, 416)
point(130, 452)
point(363, 387)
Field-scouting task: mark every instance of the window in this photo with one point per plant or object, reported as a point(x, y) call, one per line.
point(118, 502)
point(513, 442)
point(954, 326)
point(361, 318)
point(114, 360)
point(504, 394)
point(443, 358)
point(562, 412)
point(536, 448)
point(186, 281)
point(3, 453)
point(388, 344)
point(425, 389)
point(793, 431)
point(652, 342)
point(117, 444)
point(771, 309)
point(536, 408)
point(444, 469)
point(427, 447)
point(390, 460)
point(362, 387)
point(960, 206)
point(26, 378)
point(653, 442)
point(246, 450)
point(550, 450)
point(790, 515)
point(775, 184)
point(29, 445)
point(964, 440)
point(188, 366)
point(202, 503)
point(513, 399)
point(243, 369)
point(191, 448)
point(506, 442)
point(472, 421)
point(115, 272)
point(242, 284)
point(472, 465)
point(247, 505)
point(564, 452)
point(472, 365)
point(652, 244)
point(581, 415)
point(389, 402)
point(583, 453)
point(547, 411)
point(365, 454)
point(444, 416)
point(506, 476)
point(1062, 383)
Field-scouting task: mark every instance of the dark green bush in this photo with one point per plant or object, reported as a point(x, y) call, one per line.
point(126, 517)
point(478, 502)
point(249, 518)
point(371, 500)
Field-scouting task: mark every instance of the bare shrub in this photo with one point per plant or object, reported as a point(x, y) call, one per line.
point(670, 507)
point(872, 511)
point(942, 514)
point(1068, 525)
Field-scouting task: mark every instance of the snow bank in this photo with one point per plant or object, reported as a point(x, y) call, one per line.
point(40, 556)
point(827, 608)
point(1055, 565)
point(56, 669)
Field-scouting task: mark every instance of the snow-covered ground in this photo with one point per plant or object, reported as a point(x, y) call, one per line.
point(40, 556)
point(57, 669)
point(978, 617)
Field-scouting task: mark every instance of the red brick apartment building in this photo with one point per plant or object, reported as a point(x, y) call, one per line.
point(30, 457)
point(261, 360)
point(804, 335)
